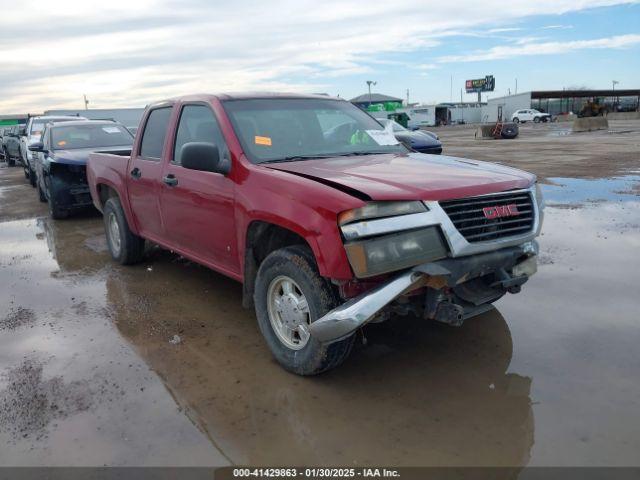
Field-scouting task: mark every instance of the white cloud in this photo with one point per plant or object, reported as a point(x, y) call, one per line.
point(504, 30)
point(124, 52)
point(544, 48)
point(557, 27)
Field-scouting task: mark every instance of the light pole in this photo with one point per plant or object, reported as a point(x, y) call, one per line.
point(369, 83)
point(613, 88)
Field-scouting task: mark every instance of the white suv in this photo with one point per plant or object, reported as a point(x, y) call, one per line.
point(32, 134)
point(529, 114)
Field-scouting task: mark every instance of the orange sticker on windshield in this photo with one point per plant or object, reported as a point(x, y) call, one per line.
point(263, 141)
point(62, 143)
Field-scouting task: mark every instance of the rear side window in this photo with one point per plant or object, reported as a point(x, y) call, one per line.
point(197, 124)
point(154, 133)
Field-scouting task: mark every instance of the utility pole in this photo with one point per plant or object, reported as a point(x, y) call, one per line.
point(86, 102)
point(613, 88)
point(369, 83)
point(516, 86)
point(407, 97)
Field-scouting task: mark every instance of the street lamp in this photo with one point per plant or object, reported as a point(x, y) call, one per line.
point(369, 83)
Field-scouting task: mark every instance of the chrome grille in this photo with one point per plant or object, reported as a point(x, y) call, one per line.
point(467, 215)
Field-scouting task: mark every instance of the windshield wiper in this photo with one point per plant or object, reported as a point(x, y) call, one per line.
point(295, 158)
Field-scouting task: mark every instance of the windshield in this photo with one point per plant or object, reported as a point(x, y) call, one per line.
point(89, 136)
point(38, 125)
point(295, 129)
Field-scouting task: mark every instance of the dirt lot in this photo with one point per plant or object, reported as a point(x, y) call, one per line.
point(90, 374)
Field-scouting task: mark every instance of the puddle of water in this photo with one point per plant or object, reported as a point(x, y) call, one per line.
point(72, 390)
point(574, 191)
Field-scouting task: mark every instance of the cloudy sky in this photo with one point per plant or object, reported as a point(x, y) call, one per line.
point(129, 53)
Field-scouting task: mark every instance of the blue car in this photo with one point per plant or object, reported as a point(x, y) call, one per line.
point(419, 140)
point(61, 161)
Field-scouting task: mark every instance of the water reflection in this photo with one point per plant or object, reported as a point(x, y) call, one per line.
point(416, 394)
point(581, 190)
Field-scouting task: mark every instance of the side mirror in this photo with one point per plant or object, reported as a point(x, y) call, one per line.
point(203, 156)
point(36, 147)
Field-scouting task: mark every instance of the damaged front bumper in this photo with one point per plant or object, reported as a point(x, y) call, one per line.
point(508, 268)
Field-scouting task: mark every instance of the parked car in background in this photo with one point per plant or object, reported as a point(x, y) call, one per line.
point(11, 144)
point(419, 140)
point(530, 115)
point(328, 228)
point(32, 134)
point(61, 159)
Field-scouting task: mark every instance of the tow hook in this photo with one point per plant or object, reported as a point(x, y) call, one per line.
point(507, 282)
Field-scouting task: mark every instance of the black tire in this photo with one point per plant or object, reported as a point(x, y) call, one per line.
point(131, 246)
point(509, 131)
point(545, 119)
point(536, 119)
point(516, 120)
point(32, 177)
point(55, 211)
point(297, 263)
point(41, 196)
point(26, 172)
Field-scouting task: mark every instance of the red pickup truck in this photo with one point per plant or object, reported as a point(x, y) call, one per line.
point(324, 217)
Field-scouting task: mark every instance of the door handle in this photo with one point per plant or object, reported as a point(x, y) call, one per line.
point(170, 180)
point(136, 173)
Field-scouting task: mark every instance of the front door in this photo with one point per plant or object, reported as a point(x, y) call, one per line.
point(145, 172)
point(198, 207)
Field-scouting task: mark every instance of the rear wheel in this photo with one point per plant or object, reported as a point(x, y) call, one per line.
point(516, 120)
point(289, 295)
point(125, 246)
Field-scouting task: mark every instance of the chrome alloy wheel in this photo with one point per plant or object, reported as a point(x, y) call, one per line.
point(288, 312)
point(114, 234)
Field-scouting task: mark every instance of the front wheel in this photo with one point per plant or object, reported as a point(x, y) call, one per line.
point(516, 120)
point(32, 177)
point(289, 295)
point(536, 120)
point(41, 196)
point(55, 211)
point(124, 245)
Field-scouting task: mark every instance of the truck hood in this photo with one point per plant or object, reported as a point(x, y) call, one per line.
point(409, 176)
point(79, 156)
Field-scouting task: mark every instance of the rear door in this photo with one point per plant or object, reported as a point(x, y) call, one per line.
point(198, 207)
point(145, 172)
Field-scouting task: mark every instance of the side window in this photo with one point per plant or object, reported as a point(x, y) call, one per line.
point(197, 124)
point(154, 133)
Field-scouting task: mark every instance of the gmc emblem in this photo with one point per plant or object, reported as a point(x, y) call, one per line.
point(500, 211)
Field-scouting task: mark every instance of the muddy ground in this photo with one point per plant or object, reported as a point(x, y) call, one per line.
point(89, 374)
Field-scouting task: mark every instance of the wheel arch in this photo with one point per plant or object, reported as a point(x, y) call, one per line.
point(106, 190)
point(263, 237)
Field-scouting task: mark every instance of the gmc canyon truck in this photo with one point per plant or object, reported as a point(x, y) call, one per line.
point(326, 232)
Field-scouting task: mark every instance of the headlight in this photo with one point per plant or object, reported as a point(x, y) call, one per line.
point(396, 251)
point(380, 210)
